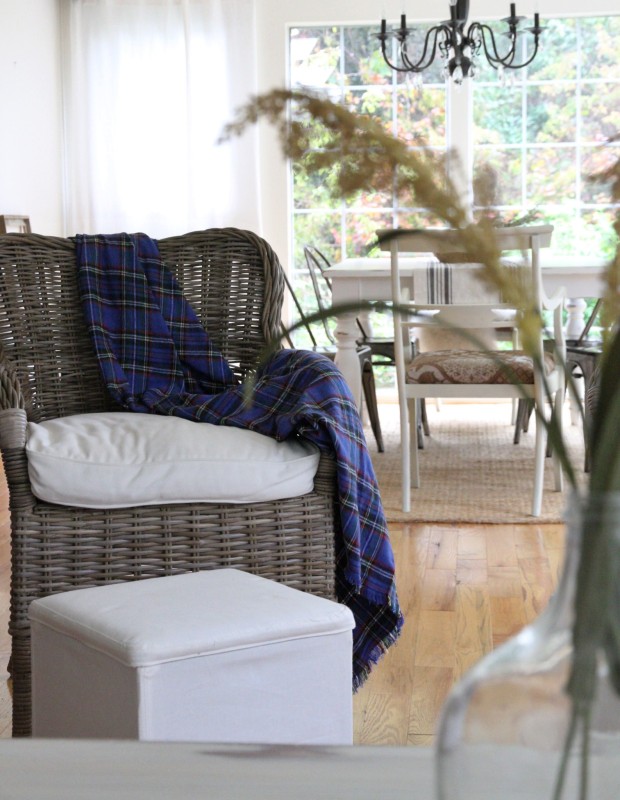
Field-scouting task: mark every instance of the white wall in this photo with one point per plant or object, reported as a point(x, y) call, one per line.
point(275, 16)
point(30, 120)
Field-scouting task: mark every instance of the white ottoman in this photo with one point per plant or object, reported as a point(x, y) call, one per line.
point(219, 656)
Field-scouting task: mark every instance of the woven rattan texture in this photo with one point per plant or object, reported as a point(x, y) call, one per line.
point(48, 369)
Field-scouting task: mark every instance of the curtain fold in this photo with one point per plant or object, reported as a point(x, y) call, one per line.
point(147, 87)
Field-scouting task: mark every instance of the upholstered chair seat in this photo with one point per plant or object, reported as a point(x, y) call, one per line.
point(474, 367)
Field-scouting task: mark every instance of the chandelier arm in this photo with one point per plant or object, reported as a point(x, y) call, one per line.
point(387, 60)
point(527, 61)
point(505, 61)
point(493, 58)
point(420, 65)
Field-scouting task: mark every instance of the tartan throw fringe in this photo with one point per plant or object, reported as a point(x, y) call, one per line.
point(155, 357)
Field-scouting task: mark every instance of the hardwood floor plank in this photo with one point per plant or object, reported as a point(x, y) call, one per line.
point(529, 541)
point(501, 546)
point(472, 544)
point(421, 740)
point(431, 687)
point(439, 590)
point(442, 548)
point(435, 640)
point(384, 721)
point(473, 636)
point(507, 616)
point(505, 582)
point(472, 571)
point(538, 585)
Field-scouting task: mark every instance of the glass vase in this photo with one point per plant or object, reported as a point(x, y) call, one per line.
point(507, 729)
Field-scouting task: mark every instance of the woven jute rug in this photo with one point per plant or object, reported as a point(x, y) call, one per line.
point(470, 470)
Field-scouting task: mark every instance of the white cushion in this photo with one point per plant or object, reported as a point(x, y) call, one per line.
point(120, 459)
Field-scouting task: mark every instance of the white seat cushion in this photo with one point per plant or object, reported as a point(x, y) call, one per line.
point(121, 459)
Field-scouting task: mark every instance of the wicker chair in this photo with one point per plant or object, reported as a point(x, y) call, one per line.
point(48, 369)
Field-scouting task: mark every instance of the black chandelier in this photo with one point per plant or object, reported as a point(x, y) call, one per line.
point(460, 46)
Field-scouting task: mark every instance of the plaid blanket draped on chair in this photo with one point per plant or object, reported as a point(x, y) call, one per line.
point(156, 358)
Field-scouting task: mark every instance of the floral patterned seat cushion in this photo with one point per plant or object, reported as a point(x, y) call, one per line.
point(472, 366)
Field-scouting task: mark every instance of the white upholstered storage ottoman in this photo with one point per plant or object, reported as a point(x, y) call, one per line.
point(220, 656)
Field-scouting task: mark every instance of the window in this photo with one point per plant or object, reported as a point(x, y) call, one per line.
point(542, 132)
point(545, 133)
point(345, 62)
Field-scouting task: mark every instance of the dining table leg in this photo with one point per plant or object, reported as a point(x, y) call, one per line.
point(347, 333)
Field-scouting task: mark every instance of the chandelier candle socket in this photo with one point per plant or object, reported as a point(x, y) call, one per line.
point(459, 45)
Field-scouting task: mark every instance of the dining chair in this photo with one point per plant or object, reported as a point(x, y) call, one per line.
point(329, 349)
point(472, 373)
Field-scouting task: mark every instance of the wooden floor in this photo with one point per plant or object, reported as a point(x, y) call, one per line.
point(463, 590)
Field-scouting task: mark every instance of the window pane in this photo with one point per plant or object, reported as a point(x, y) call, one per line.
point(320, 230)
point(418, 219)
point(313, 190)
point(600, 35)
point(551, 175)
point(596, 232)
point(361, 231)
point(315, 56)
point(421, 116)
point(551, 114)
point(498, 114)
point(375, 102)
point(600, 111)
point(557, 53)
point(363, 62)
point(595, 160)
point(371, 200)
point(506, 165)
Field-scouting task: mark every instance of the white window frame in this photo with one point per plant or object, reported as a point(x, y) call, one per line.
point(274, 16)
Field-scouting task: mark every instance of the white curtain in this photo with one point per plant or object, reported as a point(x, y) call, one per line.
point(147, 88)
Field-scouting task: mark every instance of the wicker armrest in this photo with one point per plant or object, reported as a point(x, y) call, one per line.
point(12, 429)
point(325, 478)
point(13, 446)
point(11, 395)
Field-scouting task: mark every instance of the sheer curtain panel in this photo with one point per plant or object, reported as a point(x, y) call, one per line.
point(147, 87)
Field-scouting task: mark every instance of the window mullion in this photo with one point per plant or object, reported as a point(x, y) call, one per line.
point(460, 127)
point(343, 214)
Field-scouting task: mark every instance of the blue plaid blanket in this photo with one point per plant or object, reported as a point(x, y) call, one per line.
point(156, 358)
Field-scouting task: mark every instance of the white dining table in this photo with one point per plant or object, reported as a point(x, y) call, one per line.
point(82, 769)
point(368, 279)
